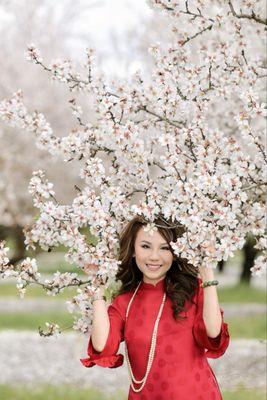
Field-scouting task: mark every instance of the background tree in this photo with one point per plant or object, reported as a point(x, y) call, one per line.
point(19, 155)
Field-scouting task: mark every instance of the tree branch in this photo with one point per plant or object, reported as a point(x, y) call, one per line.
point(251, 16)
point(161, 118)
point(208, 28)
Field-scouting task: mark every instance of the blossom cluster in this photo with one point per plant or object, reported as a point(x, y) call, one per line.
point(186, 143)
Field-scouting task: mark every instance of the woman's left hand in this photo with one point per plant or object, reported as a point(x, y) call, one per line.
point(206, 274)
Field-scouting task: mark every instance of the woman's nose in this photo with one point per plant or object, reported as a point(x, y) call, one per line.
point(154, 255)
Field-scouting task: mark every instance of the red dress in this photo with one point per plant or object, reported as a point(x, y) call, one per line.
point(180, 370)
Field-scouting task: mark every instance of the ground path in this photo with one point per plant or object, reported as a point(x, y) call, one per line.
point(11, 304)
point(27, 358)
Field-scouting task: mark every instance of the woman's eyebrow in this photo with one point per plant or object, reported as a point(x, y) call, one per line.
point(162, 244)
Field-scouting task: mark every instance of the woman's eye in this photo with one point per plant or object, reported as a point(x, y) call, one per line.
point(145, 246)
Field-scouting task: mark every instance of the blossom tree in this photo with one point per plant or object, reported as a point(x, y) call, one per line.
point(157, 146)
point(152, 30)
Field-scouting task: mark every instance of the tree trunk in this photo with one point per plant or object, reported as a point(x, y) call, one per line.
point(249, 256)
point(16, 233)
point(221, 265)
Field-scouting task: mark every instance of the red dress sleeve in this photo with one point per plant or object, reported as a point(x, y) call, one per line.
point(108, 357)
point(216, 347)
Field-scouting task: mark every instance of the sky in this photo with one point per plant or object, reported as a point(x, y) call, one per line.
point(101, 24)
point(112, 18)
point(116, 16)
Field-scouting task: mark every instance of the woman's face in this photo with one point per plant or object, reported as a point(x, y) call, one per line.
point(153, 256)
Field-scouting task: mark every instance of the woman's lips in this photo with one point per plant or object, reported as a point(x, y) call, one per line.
point(153, 267)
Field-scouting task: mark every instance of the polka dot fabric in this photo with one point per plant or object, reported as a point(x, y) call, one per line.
point(180, 370)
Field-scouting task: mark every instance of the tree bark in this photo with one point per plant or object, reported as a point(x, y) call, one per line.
point(249, 256)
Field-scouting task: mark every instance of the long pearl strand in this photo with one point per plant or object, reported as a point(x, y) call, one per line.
point(152, 346)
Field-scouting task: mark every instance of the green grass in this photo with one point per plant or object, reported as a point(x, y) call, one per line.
point(62, 268)
point(10, 290)
point(50, 267)
point(31, 321)
point(49, 392)
point(242, 293)
point(248, 327)
point(244, 394)
point(238, 294)
point(69, 392)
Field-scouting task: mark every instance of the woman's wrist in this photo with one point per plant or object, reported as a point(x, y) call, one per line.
point(98, 297)
point(206, 274)
point(101, 290)
point(206, 284)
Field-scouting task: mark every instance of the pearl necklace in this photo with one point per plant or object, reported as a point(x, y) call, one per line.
point(152, 345)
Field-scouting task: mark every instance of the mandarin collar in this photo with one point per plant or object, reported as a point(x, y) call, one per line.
point(151, 286)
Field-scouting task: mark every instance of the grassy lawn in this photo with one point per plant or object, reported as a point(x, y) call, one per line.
point(242, 293)
point(244, 394)
point(10, 290)
point(49, 263)
point(73, 393)
point(237, 294)
point(61, 266)
point(31, 321)
point(48, 392)
point(250, 327)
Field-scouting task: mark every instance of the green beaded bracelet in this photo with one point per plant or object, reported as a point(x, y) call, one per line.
point(209, 283)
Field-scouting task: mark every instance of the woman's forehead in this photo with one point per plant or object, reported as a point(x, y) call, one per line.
point(150, 237)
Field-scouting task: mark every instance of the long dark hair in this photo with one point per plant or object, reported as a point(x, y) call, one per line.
point(180, 283)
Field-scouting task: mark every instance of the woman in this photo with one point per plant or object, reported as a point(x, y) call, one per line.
point(169, 322)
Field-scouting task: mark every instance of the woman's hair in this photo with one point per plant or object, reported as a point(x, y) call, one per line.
point(180, 283)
